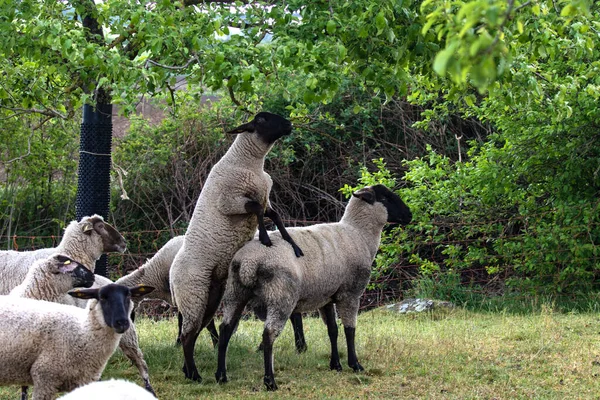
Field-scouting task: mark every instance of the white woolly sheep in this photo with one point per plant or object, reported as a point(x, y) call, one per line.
point(233, 201)
point(84, 241)
point(113, 389)
point(129, 343)
point(335, 270)
point(56, 347)
point(51, 278)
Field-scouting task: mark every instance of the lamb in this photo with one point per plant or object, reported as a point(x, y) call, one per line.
point(84, 241)
point(113, 389)
point(51, 278)
point(233, 201)
point(56, 347)
point(335, 270)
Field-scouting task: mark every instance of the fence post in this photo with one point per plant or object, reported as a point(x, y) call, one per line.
point(93, 185)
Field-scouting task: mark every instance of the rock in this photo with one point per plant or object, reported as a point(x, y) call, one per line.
point(407, 306)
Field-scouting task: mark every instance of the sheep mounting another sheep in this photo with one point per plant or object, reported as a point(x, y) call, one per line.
point(56, 347)
point(233, 202)
point(335, 270)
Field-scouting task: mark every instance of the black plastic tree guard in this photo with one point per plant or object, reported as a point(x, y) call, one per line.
point(93, 185)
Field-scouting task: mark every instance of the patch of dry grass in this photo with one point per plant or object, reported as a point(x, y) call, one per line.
point(457, 355)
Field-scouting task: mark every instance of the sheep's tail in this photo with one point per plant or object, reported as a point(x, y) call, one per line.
point(246, 271)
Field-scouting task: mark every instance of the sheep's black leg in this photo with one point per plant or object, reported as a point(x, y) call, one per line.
point(274, 324)
point(188, 342)
point(179, 323)
point(328, 313)
point(226, 331)
point(254, 207)
point(232, 312)
point(352, 359)
point(296, 319)
point(274, 216)
point(214, 335)
point(269, 378)
point(24, 392)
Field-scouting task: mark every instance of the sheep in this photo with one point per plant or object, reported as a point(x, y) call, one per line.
point(84, 241)
point(113, 389)
point(335, 270)
point(51, 278)
point(233, 201)
point(56, 347)
point(129, 343)
point(155, 272)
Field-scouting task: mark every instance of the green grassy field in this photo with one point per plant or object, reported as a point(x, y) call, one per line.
point(456, 355)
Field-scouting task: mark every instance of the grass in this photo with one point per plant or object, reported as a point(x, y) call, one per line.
point(454, 355)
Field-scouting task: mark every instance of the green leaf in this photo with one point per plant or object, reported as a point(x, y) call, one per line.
point(380, 22)
point(442, 59)
point(331, 27)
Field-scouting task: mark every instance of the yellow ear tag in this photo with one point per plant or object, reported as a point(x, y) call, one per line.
point(142, 289)
point(67, 262)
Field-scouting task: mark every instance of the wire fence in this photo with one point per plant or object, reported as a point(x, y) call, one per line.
point(483, 275)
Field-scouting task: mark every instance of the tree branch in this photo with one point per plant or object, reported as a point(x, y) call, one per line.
point(48, 112)
point(236, 101)
point(173, 68)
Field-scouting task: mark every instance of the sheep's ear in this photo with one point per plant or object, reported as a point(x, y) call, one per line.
point(247, 127)
point(85, 294)
point(65, 264)
point(365, 194)
point(140, 290)
point(87, 228)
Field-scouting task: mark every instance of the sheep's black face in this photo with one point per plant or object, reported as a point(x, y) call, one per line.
point(82, 277)
point(268, 126)
point(271, 127)
point(398, 212)
point(115, 301)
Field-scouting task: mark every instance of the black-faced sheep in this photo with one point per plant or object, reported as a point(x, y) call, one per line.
point(56, 347)
point(51, 278)
point(335, 270)
point(231, 205)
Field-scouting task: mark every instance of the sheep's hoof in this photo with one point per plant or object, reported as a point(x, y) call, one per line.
point(357, 367)
point(194, 376)
point(270, 383)
point(335, 366)
point(221, 377)
point(298, 251)
point(267, 242)
point(301, 347)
